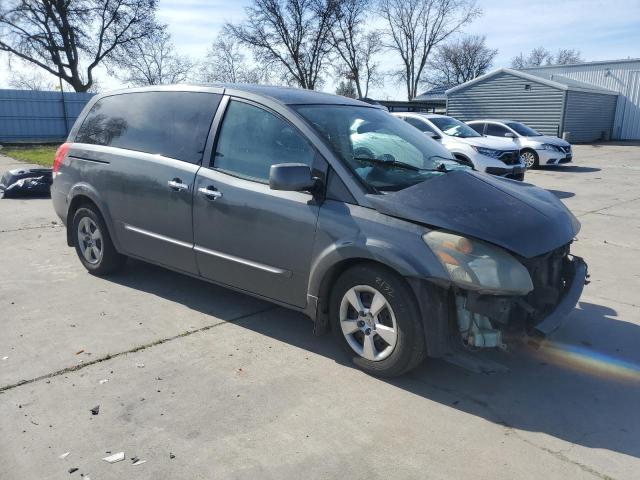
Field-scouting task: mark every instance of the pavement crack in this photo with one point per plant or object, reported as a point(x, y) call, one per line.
point(31, 228)
point(139, 348)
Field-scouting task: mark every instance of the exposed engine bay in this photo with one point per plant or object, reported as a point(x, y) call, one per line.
point(487, 321)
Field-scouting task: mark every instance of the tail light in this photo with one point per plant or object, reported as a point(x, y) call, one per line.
point(60, 154)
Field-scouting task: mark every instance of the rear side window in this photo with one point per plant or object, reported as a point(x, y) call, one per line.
point(252, 139)
point(478, 127)
point(171, 124)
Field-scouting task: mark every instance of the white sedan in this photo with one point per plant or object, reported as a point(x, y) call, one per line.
point(535, 148)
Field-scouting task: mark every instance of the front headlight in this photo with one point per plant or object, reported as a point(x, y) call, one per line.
point(548, 146)
point(489, 152)
point(477, 265)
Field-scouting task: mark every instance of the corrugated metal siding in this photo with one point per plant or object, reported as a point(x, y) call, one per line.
point(27, 115)
point(588, 115)
point(504, 96)
point(622, 77)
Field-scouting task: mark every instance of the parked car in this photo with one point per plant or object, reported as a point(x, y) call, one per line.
point(322, 204)
point(536, 149)
point(496, 156)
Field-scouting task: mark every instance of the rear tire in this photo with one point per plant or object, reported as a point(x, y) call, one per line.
point(385, 338)
point(530, 158)
point(93, 242)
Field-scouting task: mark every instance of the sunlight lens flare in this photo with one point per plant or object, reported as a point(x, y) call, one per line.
point(589, 361)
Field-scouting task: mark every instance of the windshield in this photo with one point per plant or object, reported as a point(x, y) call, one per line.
point(385, 152)
point(454, 128)
point(522, 129)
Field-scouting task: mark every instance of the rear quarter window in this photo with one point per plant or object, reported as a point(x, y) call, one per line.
point(171, 124)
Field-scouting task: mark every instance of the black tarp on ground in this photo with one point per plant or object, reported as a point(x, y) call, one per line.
point(26, 182)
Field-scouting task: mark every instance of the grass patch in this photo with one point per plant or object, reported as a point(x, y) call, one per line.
point(40, 155)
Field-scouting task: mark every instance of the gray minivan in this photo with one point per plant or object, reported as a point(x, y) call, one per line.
point(319, 203)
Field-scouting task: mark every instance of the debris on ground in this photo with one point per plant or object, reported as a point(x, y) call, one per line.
point(79, 352)
point(95, 410)
point(73, 470)
point(103, 381)
point(5, 358)
point(116, 457)
point(139, 462)
point(64, 455)
point(140, 365)
point(171, 456)
point(26, 182)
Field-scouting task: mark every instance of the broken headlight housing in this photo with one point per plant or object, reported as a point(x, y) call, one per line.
point(477, 265)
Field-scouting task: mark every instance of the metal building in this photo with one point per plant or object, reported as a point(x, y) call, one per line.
point(551, 106)
point(622, 76)
point(35, 116)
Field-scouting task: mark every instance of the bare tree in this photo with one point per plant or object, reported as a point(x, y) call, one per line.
point(356, 48)
point(460, 61)
point(30, 79)
point(415, 27)
point(292, 34)
point(346, 88)
point(225, 62)
point(151, 60)
point(541, 56)
point(70, 38)
point(568, 56)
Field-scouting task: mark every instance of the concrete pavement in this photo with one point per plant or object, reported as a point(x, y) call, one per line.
point(234, 387)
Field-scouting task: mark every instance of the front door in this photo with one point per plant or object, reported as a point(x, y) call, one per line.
point(247, 235)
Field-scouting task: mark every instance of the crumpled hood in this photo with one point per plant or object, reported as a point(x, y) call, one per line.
point(520, 217)
point(495, 143)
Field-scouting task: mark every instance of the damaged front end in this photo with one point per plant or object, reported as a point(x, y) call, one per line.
point(498, 297)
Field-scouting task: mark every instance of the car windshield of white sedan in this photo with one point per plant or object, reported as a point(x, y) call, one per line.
point(454, 128)
point(387, 153)
point(522, 129)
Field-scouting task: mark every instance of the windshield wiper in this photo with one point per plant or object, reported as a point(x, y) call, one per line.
point(393, 163)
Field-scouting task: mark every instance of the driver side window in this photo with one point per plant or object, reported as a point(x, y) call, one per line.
point(494, 130)
point(419, 124)
point(252, 139)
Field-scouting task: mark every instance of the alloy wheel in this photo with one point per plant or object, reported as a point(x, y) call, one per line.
point(90, 240)
point(529, 159)
point(368, 323)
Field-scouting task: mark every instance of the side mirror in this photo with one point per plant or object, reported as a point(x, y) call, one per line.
point(433, 135)
point(291, 177)
point(510, 135)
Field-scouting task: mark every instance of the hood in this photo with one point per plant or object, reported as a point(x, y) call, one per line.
point(549, 139)
point(496, 143)
point(520, 217)
point(552, 140)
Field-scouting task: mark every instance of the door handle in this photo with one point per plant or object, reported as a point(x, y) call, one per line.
point(177, 185)
point(210, 192)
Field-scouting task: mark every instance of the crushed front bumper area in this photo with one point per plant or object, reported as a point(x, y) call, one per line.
point(489, 320)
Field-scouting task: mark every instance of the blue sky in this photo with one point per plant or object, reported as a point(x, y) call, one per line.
point(601, 30)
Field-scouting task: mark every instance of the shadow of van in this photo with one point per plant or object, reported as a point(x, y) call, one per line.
point(583, 392)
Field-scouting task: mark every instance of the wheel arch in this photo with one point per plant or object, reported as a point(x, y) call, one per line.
point(83, 194)
point(463, 158)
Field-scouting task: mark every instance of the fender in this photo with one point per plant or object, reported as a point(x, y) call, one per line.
point(86, 190)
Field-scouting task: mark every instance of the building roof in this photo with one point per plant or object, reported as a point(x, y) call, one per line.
point(554, 81)
point(436, 93)
point(586, 64)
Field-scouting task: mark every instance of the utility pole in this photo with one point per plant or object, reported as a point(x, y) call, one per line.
point(64, 110)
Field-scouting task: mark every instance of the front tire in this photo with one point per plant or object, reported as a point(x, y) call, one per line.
point(93, 243)
point(530, 158)
point(376, 319)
